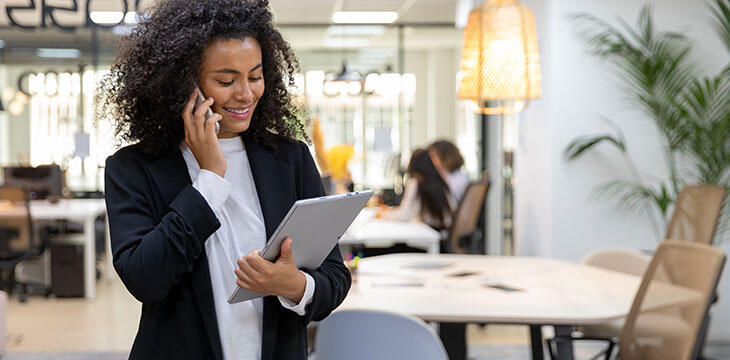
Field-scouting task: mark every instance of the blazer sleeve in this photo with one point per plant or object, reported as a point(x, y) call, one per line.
point(332, 279)
point(151, 255)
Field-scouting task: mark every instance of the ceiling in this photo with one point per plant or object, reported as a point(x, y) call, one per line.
point(305, 24)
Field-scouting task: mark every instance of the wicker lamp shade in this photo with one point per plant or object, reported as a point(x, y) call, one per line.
point(500, 57)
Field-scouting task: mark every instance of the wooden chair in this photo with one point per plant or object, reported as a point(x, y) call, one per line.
point(696, 212)
point(467, 216)
point(670, 305)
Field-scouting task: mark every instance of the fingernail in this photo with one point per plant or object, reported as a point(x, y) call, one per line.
point(210, 98)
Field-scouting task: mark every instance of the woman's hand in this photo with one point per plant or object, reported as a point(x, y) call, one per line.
point(201, 137)
point(281, 278)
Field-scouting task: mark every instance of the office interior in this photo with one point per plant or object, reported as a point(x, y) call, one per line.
point(539, 206)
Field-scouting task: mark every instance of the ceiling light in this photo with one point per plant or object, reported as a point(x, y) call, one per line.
point(360, 30)
point(131, 17)
point(58, 53)
point(364, 17)
point(106, 17)
point(345, 43)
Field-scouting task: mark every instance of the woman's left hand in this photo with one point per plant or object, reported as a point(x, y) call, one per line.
point(281, 278)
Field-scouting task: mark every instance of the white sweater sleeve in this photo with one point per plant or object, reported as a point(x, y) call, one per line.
point(214, 189)
point(306, 298)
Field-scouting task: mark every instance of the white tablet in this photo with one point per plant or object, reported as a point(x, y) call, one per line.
point(314, 225)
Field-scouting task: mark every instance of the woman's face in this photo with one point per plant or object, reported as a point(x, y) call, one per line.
point(232, 75)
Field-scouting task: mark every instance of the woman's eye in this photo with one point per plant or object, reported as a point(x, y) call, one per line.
point(256, 78)
point(225, 83)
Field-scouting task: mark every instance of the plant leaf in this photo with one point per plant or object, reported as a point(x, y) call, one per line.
point(582, 144)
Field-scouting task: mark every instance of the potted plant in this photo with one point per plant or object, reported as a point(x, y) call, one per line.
point(691, 112)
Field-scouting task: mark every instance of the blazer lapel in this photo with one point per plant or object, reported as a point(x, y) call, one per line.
point(274, 182)
point(170, 174)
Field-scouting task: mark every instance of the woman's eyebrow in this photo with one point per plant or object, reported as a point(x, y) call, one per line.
point(225, 71)
point(255, 68)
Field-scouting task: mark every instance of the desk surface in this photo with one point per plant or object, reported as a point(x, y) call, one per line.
point(69, 209)
point(368, 230)
point(552, 292)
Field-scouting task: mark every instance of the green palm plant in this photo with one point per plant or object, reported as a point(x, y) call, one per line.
point(691, 112)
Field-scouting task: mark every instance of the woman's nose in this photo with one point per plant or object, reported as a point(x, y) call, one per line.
point(244, 93)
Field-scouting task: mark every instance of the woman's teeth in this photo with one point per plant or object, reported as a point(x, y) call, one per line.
point(238, 111)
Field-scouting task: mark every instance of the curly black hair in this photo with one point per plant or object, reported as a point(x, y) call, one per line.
point(157, 67)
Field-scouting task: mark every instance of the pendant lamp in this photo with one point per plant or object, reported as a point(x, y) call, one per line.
point(500, 61)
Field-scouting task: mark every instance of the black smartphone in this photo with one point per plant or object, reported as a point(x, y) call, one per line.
point(208, 113)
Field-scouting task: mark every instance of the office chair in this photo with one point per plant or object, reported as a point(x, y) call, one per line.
point(16, 231)
point(695, 218)
point(670, 305)
point(627, 261)
point(369, 334)
point(42, 182)
point(696, 213)
point(460, 235)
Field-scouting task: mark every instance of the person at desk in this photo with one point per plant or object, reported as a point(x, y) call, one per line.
point(426, 196)
point(448, 161)
point(188, 209)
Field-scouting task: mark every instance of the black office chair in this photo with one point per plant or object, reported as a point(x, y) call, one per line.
point(16, 237)
point(41, 182)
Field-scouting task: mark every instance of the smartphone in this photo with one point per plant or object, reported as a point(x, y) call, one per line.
point(208, 113)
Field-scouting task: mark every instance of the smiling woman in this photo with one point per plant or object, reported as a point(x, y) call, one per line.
point(158, 64)
point(188, 209)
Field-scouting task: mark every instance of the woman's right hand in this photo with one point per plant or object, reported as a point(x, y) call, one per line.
point(201, 137)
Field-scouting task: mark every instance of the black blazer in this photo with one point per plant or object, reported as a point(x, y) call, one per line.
point(159, 224)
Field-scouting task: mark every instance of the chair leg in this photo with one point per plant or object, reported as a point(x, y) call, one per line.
point(564, 349)
point(701, 339)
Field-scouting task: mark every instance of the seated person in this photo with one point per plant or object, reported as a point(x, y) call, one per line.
point(426, 196)
point(448, 161)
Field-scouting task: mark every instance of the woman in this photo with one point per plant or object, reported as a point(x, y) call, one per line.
point(426, 196)
point(188, 210)
point(448, 161)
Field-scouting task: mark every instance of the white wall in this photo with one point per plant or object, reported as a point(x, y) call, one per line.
point(555, 212)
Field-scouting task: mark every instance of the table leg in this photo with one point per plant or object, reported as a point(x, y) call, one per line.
point(536, 342)
point(89, 259)
point(564, 349)
point(453, 336)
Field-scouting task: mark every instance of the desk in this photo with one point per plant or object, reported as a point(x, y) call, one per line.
point(77, 210)
point(551, 292)
point(369, 231)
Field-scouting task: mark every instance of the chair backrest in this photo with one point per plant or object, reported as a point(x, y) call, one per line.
point(672, 301)
point(695, 213)
point(15, 222)
point(467, 213)
point(366, 335)
point(44, 181)
point(627, 261)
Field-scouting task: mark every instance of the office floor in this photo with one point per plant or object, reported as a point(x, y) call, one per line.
point(104, 328)
point(108, 324)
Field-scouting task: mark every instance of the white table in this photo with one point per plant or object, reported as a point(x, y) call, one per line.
point(84, 211)
point(551, 292)
point(371, 232)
